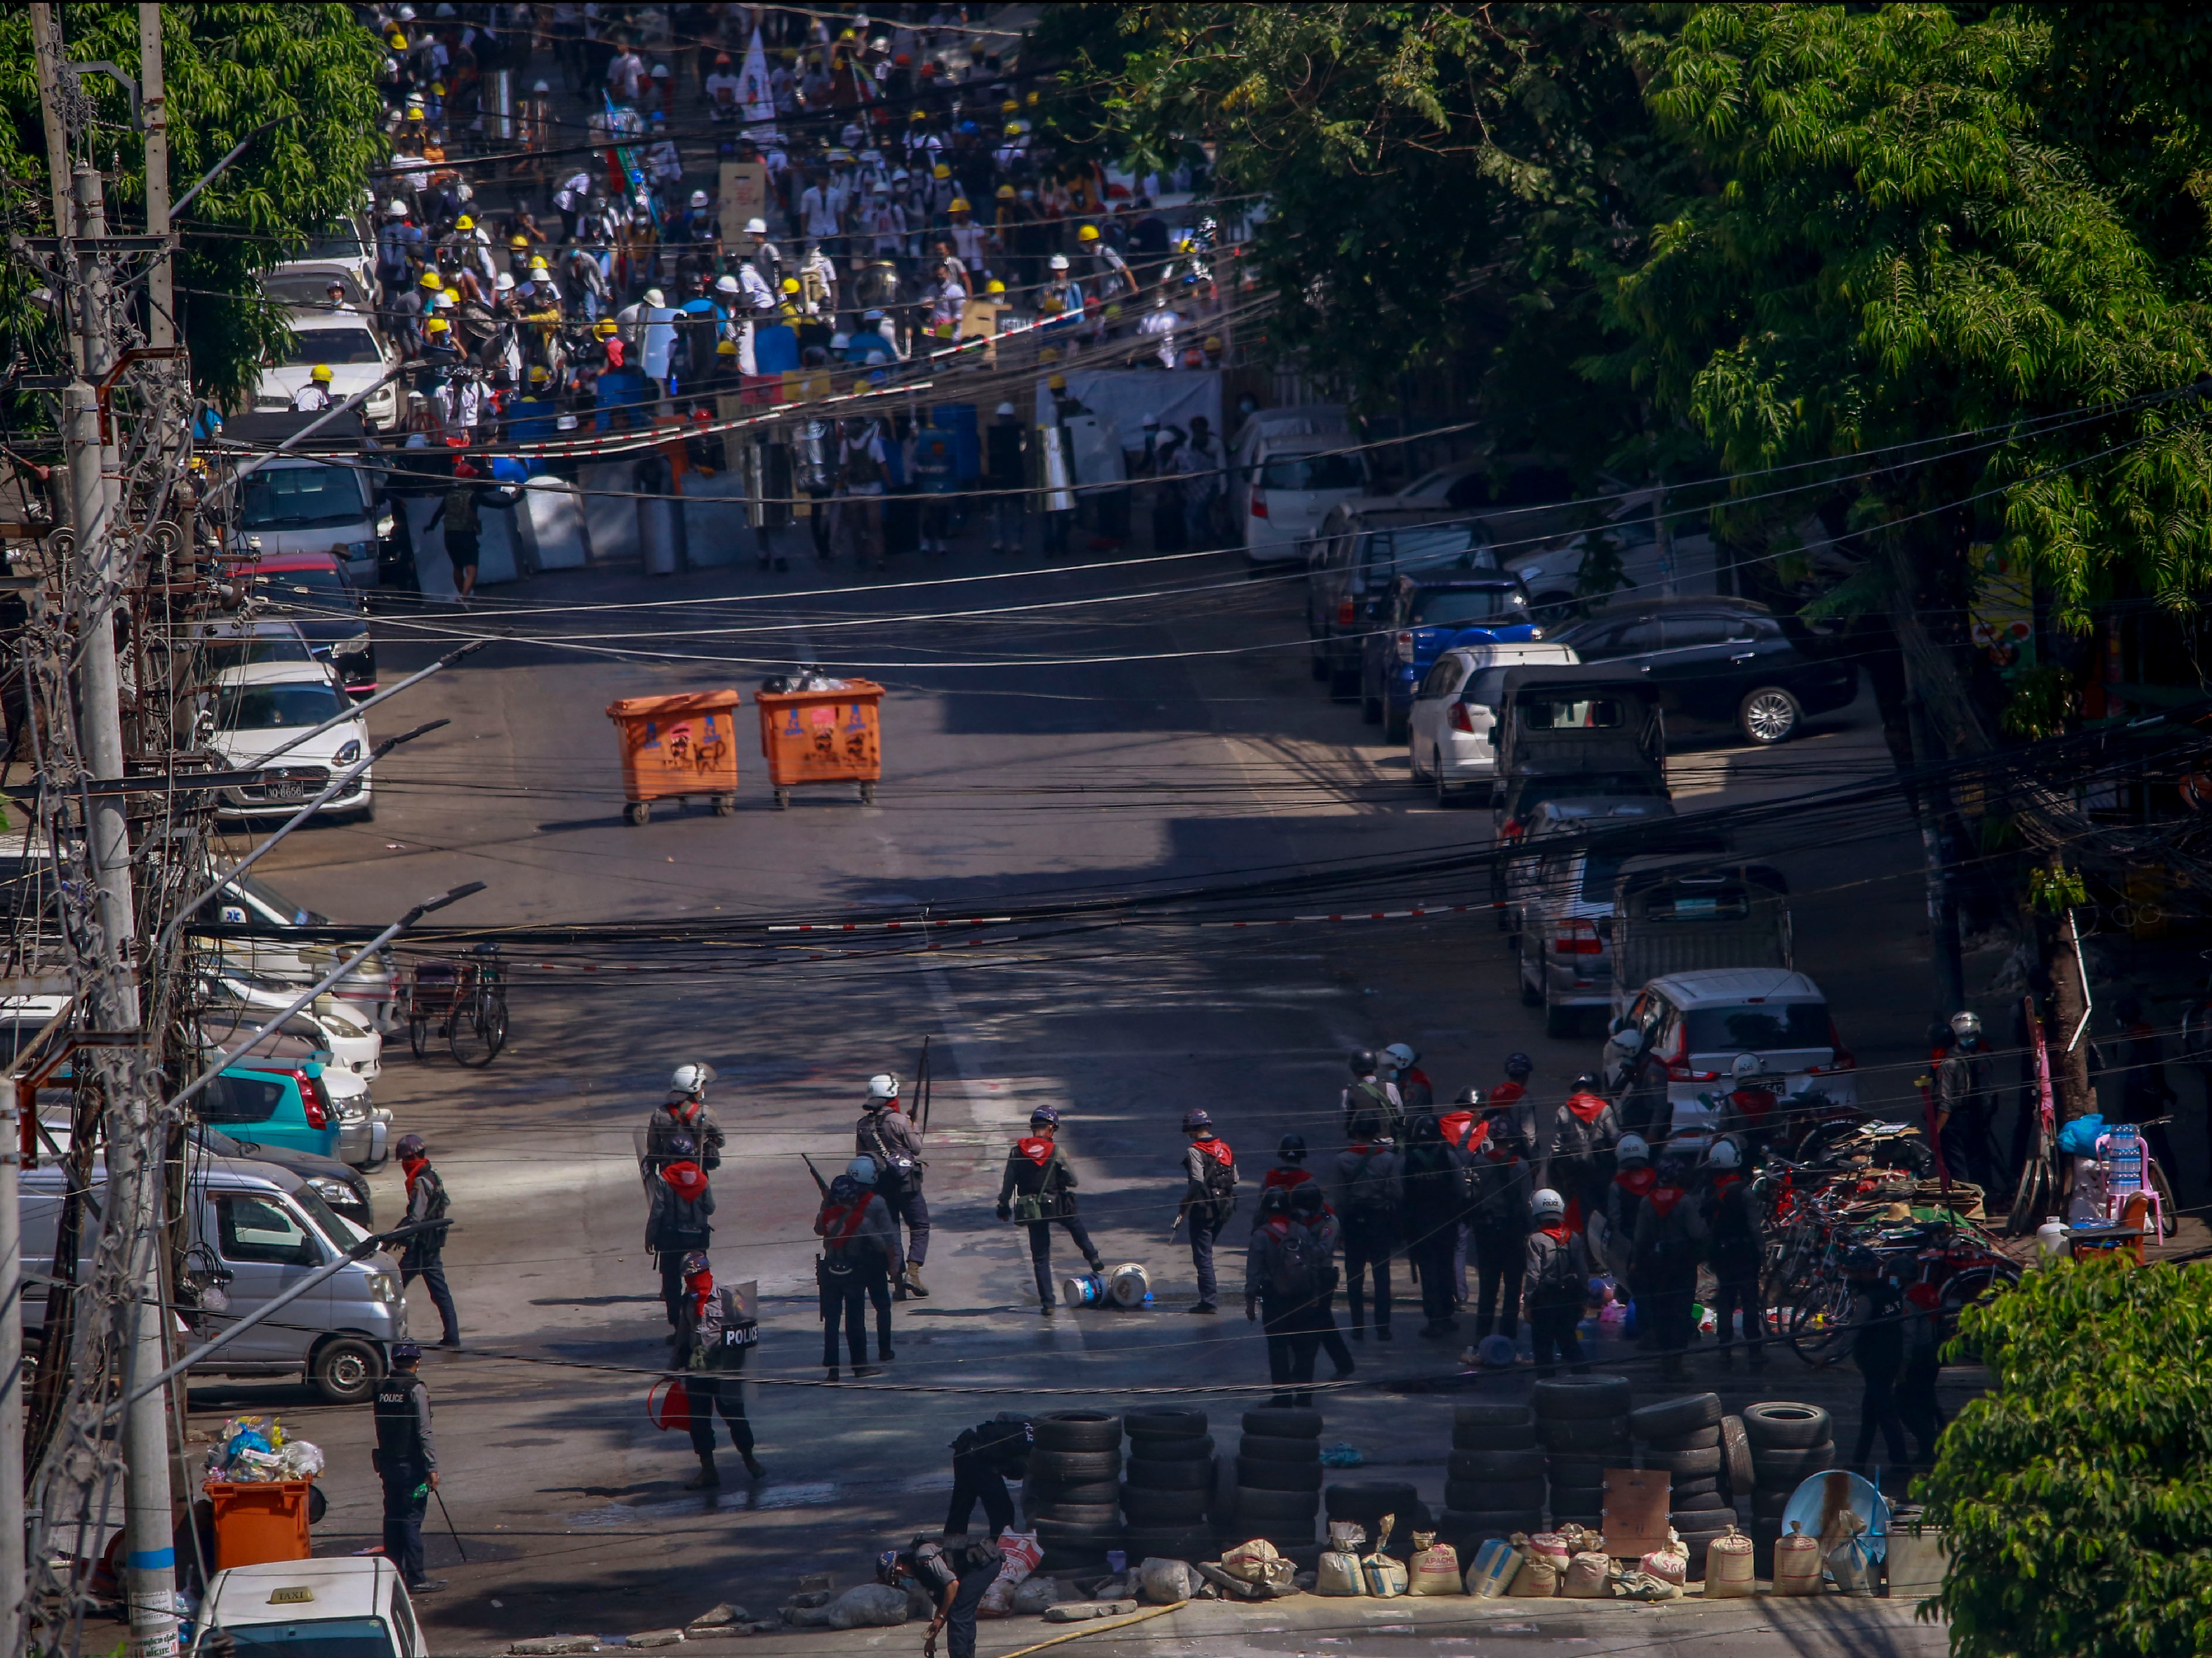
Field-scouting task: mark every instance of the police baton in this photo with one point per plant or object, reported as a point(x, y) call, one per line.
point(449, 1531)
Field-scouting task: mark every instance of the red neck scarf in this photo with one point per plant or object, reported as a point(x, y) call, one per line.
point(1588, 1106)
point(1285, 1178)
point(1508, 1093)
point(1662, 1198)
point(1637, 1182)
point(414, 1166)
point(686, 1180)
point(701, 1285)
point(1037, 1149)
point(1456, 1126)
point(1558, 1234)
point(1217, 1148)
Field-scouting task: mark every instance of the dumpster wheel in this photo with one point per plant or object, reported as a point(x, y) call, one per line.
point(783, 799)
point(639, 812)
point(726, 805)
point(867, 794)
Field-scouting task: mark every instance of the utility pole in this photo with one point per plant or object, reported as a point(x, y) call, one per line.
point(161, 280)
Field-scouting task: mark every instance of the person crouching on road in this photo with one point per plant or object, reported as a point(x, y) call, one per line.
point(1209, 1198)
point(955, 1580)
point(859, 1259)
point(679, 1218)
point(1556, 1271)
point(424, 1255)
point(1289, 1272)
point(1038, 1191)
point(889, 1136)
point(713, 1338)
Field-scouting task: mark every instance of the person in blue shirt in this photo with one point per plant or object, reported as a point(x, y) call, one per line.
point(867, 343)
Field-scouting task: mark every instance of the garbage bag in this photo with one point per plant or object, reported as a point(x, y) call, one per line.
point(1033, 1595)
point(1164, 1583)
point(868, 1605)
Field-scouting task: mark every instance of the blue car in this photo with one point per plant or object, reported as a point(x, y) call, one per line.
point(272, 1102)
point(1421, 619)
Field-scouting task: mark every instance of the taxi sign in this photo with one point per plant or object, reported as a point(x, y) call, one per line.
point(291, 1595)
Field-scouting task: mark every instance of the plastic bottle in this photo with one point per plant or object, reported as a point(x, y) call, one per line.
point(2050, 1238)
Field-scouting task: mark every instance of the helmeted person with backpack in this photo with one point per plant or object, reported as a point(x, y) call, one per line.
point(1368, 1173)
point(1556, 1269)
point(1513, 1094)
point(1633, 1177)
point(860, 1258)
point(1290, 1170)
point(1290, 1272)
point(714, 1334)
point(1209, 1198)
point(679, 1218)
point(889, 1136)
point(1038, 1191)
point(685, 1114)
point(1499, 1184)
point(424, 1255)
point(1368, 1092)
point(1669, 1241)
point(1878, 1341)
point(1432, 1201)
point(1736, 1250)
point(1583, 1135)
point(986, 1458)
point(1415, 1091)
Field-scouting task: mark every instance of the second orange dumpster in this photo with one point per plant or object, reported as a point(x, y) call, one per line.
point(265, 1520)
point(824, 736)
point(675, 746)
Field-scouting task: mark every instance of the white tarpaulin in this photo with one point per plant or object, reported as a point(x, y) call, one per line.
point(1126, 396)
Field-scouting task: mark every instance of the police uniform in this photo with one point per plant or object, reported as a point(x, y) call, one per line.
point(406, 1456)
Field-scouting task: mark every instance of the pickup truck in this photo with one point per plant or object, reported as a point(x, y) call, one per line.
point(1676, 918)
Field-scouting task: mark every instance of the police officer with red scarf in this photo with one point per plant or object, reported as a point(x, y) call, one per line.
point(424, 1256)
point(1556, 1269)
point(1583, 1136)
point(1669, 1241)
point(679, 1218)
point(714, 1334)
point(1209, 1198)
point(1736, 1250)
point(1633, 1177)
point(1038, 1190)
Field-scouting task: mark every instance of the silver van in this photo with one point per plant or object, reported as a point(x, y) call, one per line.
point(256, 1229)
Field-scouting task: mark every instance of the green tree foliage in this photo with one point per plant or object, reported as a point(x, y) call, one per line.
point(228, 69)
point(2076, 1494)
point(1438, 178)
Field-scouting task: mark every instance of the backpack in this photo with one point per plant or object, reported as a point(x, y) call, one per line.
point(1671, 1246)
point(1303, 1270)
point(1556, 1280)
point(1373, 1198)
point(861, 467)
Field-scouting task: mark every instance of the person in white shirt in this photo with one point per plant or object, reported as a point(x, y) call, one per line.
point(970, 240)
point(821, 211)
point(315, 396)
point(625, 75)
point(724, 89)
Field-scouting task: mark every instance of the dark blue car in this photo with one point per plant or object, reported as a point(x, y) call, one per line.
point(1421, 619)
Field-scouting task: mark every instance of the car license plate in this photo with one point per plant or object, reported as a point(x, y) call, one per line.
point(288, 788)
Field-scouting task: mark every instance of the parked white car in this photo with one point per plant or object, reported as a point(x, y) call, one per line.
point(353, 1605)
point(259, 707)
point(1695, 1025)
point(1290, 466)
point(363, 996)
point(349, 347)
point(1447, 730)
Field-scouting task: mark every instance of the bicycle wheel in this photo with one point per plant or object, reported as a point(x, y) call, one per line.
point(418, 1035)
point(477, 1027)
point(1819, 1329)
point(2169, 1217)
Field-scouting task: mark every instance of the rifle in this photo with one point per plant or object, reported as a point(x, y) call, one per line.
point(823, 1184)
point(921, 1089)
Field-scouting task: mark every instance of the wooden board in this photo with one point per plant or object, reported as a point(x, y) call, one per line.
point(1635, 1512)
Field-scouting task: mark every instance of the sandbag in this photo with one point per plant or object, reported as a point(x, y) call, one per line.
point(1588, 1578)
point(1386, 1574)
point(1337, 1572)
point(1019, 1554)
point(1669, 1564)
point(1033, 1595)
point(1251, 1562)
point(1164, 1583)
point(1495, 1565)
point(868, 1605)
point(1434, 1569)
point(1537, 1580)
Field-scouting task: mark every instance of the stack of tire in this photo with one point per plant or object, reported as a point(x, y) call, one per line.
point(1495, 1484)
point(1681, 1437)
point(1279, 1476)
point(1170, 1487)
point(1365, 1504)
point(1072, 1495)
point(1788, 1443)
point(1581, 1427)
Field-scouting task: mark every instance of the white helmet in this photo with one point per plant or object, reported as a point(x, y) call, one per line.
point(1629, 1041)
point(757, 227)
point(1746, 1065)
point(863, 1170)
point(726, 284)
point(698, 198)
point(1965, 1024)
point(1400, 1055)
point(883, 1086)
point(690, 1079)
point(504, 282)
point(396, 208)
point(1547, 1202)
point(1632, 1148)
point(1724, 1154)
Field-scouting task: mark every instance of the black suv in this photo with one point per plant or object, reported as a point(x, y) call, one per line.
point(1725, 659)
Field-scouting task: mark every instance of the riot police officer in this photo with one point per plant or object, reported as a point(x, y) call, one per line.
point(406, 1460)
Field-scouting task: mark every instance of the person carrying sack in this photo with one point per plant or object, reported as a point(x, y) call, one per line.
point(860, 1258)
point(1038, 1192)
point(1209, 1198)
point(714, 1334)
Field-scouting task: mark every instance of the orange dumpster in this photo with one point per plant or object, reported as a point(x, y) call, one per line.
point(674, 747)
point(264, 1520)
point(822, 737)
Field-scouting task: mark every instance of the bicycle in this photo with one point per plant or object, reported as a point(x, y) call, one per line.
point(464, 999)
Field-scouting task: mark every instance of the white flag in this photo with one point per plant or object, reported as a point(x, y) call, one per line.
point(758, 98)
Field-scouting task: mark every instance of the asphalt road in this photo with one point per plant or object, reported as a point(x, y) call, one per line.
point(1074, 742)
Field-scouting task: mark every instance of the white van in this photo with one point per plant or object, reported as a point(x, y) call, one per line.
point(255, 1230)
point(350, 1608)
point(1287, 468)
point(1454, 711)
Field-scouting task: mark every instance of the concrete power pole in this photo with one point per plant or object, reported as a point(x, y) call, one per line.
point(161, 281)
point(133, 1160)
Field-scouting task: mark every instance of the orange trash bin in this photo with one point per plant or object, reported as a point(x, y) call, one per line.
point(259, 1520)
point(674, 747)
point(822, 737)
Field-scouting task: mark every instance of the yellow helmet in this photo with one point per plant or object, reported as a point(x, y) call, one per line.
point(791, 284)
point(940, 171)
point(1009, 107)
point(430, 281)
point(415, 115)
point(725, 349)
point(994, 286)
point(959, 205)
point(1087, 233)
point(435, 325)
point(1213, 342)
point(320, 374)
point(1057, 383)
point(1006, 192)
point(538, 262)
point(604, 327)
point(465, 222)
point(538, 375)
point(518, 239)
